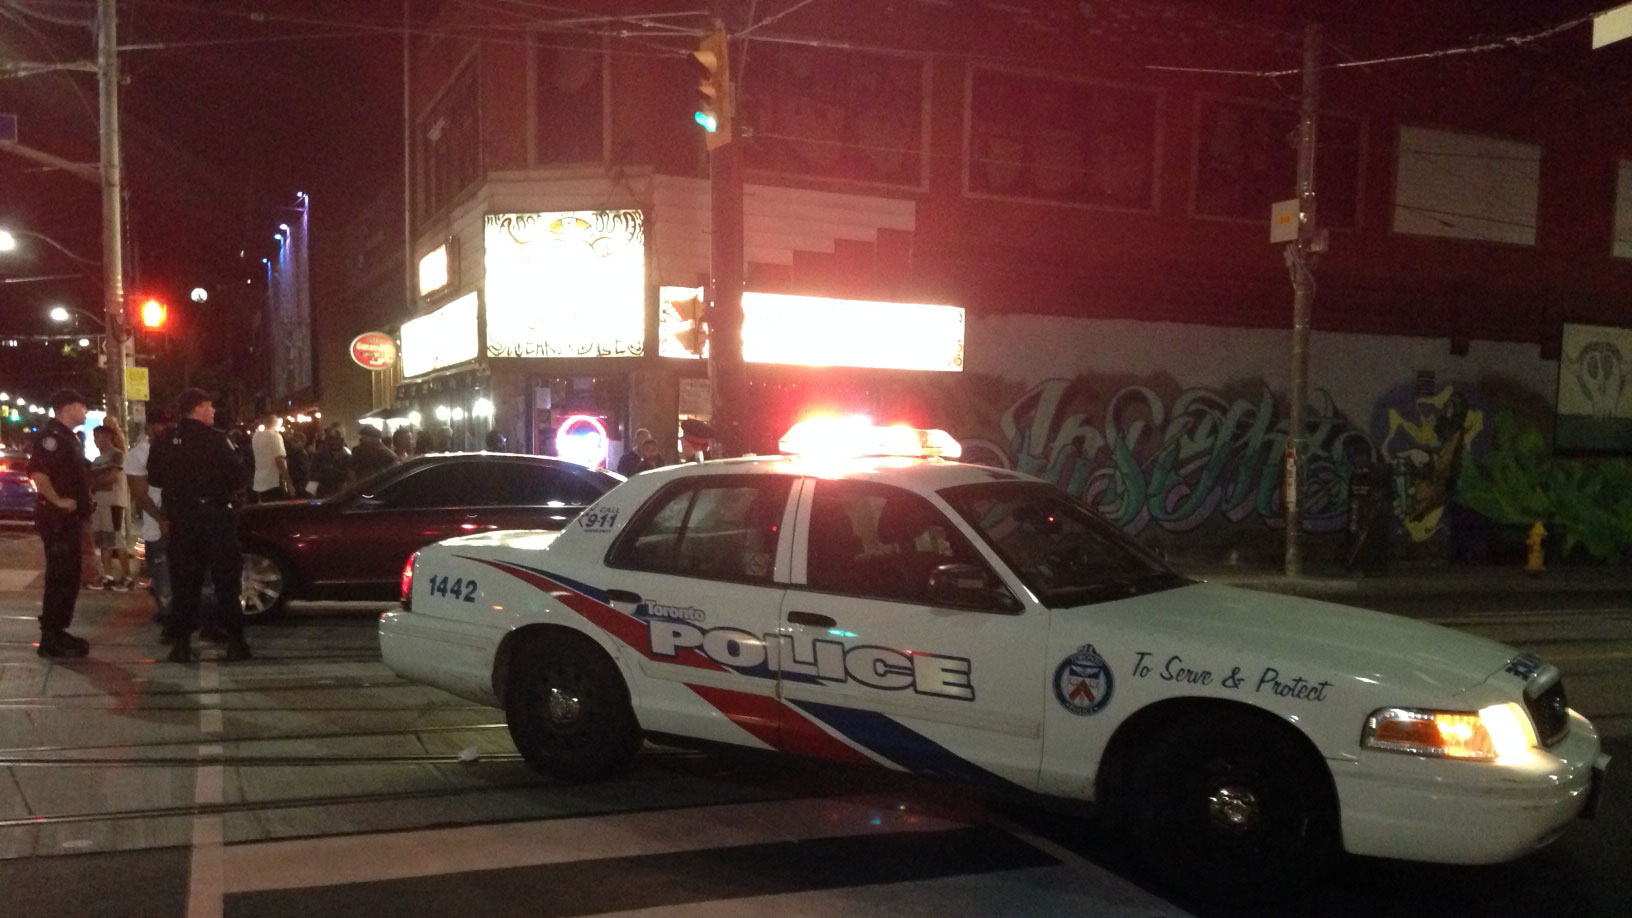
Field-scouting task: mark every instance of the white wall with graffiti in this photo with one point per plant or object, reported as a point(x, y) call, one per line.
point(1176, 432)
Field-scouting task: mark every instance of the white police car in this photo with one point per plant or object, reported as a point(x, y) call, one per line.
point(926, 615)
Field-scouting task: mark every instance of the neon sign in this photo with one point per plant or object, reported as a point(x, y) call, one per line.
point(582, 439)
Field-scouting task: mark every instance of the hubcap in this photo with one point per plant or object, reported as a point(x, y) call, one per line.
point(564, 709)
point(1233, 808)
point(262, 584)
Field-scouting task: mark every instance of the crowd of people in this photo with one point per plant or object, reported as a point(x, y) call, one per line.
point(309, 461)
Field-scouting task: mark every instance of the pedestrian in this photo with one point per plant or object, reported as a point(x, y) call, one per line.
point(271, 458)
point(200, 475)
point(650, 456)
point(695, 437)
point(442, 440)
point(631, 463)
point(61, 505)
point(371, 454)
point(331, 463)
point(300, 462)
point(496, 443)
point(147, 499)
point(111, 498)
point(402, 442)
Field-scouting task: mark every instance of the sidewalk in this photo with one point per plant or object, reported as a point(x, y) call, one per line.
point(1422, 579)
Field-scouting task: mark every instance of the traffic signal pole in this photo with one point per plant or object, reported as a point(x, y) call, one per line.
point(727, 374)
point(117, 341)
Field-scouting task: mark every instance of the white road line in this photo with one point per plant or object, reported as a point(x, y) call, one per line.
point(206, 880)
point(434, 852)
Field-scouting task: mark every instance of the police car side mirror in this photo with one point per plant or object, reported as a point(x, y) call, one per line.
point(969, 586)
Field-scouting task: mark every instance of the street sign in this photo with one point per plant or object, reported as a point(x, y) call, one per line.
point(1612, 25)
point(8, 128)
point(1283, 221)
point(136, 384)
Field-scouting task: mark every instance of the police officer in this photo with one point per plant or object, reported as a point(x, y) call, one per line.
point(200, 474)
point(61, 506)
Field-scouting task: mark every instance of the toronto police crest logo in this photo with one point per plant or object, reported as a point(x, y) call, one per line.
point(1082, 682)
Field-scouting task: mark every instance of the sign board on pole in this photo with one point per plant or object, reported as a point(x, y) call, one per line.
point(136, 384)
point(1612, 25)
point(1283, 221)
point(374, 350)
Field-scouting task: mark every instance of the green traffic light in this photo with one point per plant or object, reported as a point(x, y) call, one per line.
point(709, 122)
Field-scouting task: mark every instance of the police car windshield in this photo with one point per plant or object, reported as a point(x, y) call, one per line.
point(1066, 554)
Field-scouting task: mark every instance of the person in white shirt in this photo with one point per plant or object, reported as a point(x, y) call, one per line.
point(272, 481)
point(148, 500)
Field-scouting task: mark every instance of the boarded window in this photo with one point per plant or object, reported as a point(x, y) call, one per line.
point(1060, 140)
point(850, 115)
point(1466, 186)
point(450, 156)
point(1247, 159)
point(570, 120)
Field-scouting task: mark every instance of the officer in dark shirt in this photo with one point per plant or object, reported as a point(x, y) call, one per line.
point(200, 473)
point(62, 504)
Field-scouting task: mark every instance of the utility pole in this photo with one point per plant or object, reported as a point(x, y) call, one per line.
point(1300, 258)
point(117, 342)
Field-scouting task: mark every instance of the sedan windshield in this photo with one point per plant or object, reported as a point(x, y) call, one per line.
point(1066, 554)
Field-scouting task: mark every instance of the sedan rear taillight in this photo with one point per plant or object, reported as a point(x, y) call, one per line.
point(407, 598)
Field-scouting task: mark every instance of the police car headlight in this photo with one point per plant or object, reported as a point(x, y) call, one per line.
point(1499, 733)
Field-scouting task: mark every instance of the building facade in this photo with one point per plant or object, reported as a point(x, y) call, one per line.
point(1091, 193)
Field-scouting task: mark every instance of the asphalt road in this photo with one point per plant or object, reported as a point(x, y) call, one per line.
point(311, 781)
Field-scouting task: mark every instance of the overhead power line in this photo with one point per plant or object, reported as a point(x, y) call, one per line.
point(1506, 43)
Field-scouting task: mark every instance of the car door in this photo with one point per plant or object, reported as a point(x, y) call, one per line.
point(531, 495)
point(376, 532)
point(938, 683)
point(702, 564)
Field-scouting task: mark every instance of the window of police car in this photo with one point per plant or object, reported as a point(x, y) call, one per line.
point(712, 527)
point(881, 542)
point(1059, 548)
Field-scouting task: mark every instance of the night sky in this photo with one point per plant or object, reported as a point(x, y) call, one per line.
point(242, 104)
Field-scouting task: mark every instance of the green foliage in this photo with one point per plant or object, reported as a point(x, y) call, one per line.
point(1519, 481)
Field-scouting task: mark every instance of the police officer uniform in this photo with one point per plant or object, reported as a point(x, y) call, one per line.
point(60, 456)
point(201, 476)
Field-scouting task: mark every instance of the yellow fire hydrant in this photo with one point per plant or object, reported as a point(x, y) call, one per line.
point(1535, 563)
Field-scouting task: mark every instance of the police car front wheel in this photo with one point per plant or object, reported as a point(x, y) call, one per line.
point(1233, 809)
point(568, 709)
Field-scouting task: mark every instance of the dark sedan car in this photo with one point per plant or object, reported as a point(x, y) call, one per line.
point(16, 490)
point(353, 545)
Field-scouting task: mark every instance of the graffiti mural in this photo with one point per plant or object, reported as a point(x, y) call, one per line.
point(1139, 457)
point(1424, 447)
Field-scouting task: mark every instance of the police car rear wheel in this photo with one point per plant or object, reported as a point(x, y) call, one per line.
point(569, 712)
point(264, 586)
point(1233, 809)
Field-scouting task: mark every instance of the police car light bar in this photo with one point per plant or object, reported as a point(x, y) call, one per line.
point(856, 435)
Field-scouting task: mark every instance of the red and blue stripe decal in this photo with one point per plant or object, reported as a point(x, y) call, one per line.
point(795, 728)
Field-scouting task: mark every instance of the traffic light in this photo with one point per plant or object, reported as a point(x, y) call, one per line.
point(153, 315)
point(694, 310)
point(715, 114)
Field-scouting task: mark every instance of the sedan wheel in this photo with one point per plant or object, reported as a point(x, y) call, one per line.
point(264, 586)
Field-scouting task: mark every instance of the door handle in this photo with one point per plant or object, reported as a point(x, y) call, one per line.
point(813, 619)
point(628, 596)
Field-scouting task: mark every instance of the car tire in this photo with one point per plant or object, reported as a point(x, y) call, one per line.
point(264, 587)
point(568, 709)
point(1233, 808)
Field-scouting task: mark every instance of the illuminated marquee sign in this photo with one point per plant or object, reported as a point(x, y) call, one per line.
point(433, 271)
point(569, 284)
point(441, 339)
point(816, 331)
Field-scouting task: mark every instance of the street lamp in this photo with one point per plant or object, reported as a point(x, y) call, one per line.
point(8, 243)
point(67, 313)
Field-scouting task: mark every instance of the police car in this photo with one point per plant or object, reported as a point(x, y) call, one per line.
point(911, 612)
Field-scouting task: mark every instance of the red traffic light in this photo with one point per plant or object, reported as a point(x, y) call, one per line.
point(154, 314)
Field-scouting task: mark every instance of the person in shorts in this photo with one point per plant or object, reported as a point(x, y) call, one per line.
point(111, 495)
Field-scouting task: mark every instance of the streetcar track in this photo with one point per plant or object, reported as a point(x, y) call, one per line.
point(190, 761)
point(225, 690)
point(290, 737)
point(290, 803)
point(358, 709)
